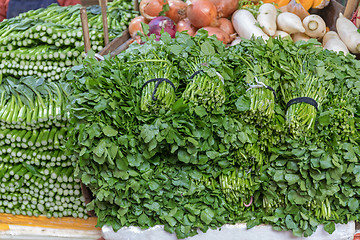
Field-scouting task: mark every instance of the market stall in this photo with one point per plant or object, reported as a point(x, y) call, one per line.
point(180, 133)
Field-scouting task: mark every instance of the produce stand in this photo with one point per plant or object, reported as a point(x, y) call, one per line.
point(84, 229)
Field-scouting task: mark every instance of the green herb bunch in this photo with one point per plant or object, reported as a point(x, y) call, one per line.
point(192, 165)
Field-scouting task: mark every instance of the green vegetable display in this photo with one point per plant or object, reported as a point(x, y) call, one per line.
point(36, 176)
point(200, 163)
point(119, 13)
point(46, 41)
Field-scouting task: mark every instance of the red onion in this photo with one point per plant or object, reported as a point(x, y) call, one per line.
point(159, 23)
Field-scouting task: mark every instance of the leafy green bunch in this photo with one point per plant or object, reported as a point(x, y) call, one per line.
point(192, 165)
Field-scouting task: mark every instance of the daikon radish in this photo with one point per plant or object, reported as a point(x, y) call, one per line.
point(290, 23)
point(246, 25)
point(348, 33)
point(299, 36)
point(332, 41)
point(281, 34)
point(315, 26)
point(267, 18)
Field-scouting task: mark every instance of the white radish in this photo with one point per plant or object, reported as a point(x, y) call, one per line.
point(236, 41)
point(267, 18)
point(281, 34)
point(348, 33)
point(299, 36)
point(245, 25)
point(315, 26)
point(290, 23)
point(332, 41)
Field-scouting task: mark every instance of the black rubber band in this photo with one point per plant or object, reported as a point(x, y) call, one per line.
point(158, 81)
point(195, 73)
point(270, 88)
point(307, 100)
point(149, 81)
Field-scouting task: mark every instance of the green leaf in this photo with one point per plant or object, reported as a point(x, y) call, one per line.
point(298, 152)
point(70, 75)
point(296, 198)
point(113, 151)
point(273, 219)
point(85, 178)
point(192, 209)
point(329, 227)
point(183, 156)
point(144, 220)
point(298, 232)
point(292, 178)
point(200, 111)
point(153, 185)
point(207, 49)
point(171, 221)
point(100, 148)
point(326, 161)
point(109, 131)
point(279, 176)
point(152, 144)
point(154, 206)
point(207, 215)
point(102, 105)
point(324, 119)
point(122, 163)
point(353, 204)
point(243, 137)
point(94, 131)
point(313, 222)
point(134, 160)
point(179, 106)
point(99, 160)
point(243, 104)
point(290, 224)
point(212, 154)
point(196, 175)
point(176, 49)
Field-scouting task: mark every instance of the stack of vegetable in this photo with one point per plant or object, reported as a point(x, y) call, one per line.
point(37, 177)
point(250, 21)
point(211, 15)
point(195, 164)
point(287, 24)
point(119, 13)
point(45, 42)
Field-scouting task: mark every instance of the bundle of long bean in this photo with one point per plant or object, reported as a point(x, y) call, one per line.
point(46, 41)
point(119, 13)
point(36, 176)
